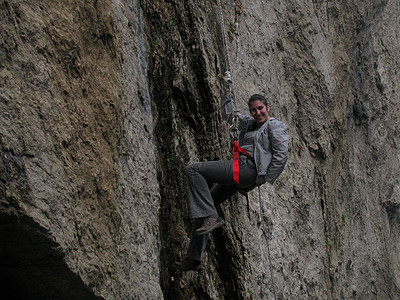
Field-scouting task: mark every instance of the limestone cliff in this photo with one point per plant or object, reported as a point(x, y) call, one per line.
point(104, 102)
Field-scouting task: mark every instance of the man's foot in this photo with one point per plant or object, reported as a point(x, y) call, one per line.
point(188, 264)
point(210, 223)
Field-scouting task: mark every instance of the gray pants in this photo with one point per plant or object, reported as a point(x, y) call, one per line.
point(202, 199)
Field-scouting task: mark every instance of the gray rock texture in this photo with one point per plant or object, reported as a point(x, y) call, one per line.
point(76, 140)
point(104, 103)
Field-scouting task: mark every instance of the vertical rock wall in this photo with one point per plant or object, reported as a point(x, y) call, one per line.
point(104, 103)
point(325, 71)
point(77, 150)
point(328, 227)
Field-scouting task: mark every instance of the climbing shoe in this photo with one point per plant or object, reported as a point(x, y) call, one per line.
point(210, 223)
point(188, 264)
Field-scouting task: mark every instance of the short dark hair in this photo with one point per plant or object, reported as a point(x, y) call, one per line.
point(256, 97)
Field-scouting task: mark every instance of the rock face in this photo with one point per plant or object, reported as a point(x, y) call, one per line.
point(104, 103)
point(77, 147)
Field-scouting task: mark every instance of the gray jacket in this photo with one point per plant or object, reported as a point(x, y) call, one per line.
point(270, 145)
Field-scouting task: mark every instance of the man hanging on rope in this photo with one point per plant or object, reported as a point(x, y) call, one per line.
point(260, 157)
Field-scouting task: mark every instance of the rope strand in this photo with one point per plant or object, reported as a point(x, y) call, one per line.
point(227, 72)
point(223, 35)
point(264, 231)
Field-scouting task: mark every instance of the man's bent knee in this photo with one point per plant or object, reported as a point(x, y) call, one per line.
point(192, 168)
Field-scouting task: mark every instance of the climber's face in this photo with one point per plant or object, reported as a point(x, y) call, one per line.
point(259, 111)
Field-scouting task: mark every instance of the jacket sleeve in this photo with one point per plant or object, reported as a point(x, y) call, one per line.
point(228, 108)
point(279, 140)
point(229, 111)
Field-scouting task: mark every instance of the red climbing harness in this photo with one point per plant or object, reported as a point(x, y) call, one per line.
point(236, 152)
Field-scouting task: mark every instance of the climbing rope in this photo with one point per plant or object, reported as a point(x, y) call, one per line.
point(233, 130)
point(223, 37)
point(267, 238)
